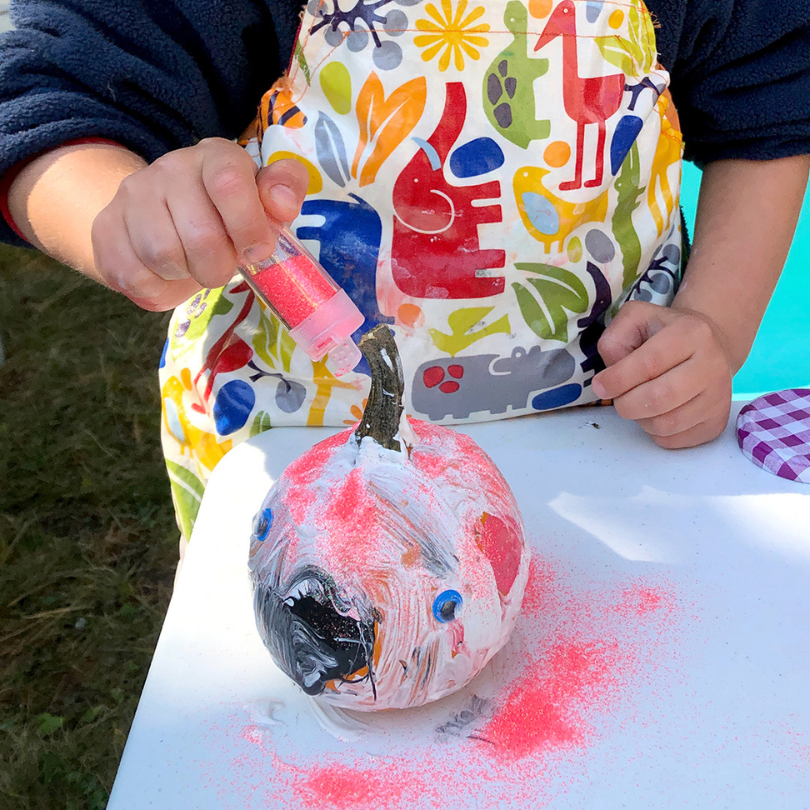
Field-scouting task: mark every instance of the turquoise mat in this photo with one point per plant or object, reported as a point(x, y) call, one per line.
point(780, 357)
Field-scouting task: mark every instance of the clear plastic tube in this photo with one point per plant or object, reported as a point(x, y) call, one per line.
point(319, 315)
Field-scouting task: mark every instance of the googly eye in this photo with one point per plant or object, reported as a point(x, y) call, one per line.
point(262, 523)
point(446, 606)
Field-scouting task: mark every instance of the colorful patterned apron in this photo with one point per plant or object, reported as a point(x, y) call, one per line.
point(493, 180)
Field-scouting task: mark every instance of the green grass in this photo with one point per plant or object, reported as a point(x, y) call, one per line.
point(88, 544)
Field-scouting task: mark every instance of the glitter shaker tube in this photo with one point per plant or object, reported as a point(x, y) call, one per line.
point(319, 315)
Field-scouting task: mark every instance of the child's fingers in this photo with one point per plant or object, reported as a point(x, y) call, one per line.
point(123, 271)
point(700, 433)
point(165, 215)
point(156, 243)
point(662, 352)
point(209, 252)
point(696, 420)
point(634, 324)
point(282, 189)
point(680, 418)
point(229, 177)
point(661, 395)
point(171, 295)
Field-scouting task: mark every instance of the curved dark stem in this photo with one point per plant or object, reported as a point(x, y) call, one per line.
point(384, 407)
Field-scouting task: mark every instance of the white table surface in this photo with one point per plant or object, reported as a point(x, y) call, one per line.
point(662, 659)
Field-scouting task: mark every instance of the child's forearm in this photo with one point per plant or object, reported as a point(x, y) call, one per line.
point(746, 218)
point(158, 232)
point(56, 198)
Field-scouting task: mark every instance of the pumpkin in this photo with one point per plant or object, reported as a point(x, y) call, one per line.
point(388, 562)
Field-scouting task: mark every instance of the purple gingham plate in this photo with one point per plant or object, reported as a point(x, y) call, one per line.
point(774, 432)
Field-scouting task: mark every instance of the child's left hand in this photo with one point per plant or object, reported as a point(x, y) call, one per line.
point(667, 370)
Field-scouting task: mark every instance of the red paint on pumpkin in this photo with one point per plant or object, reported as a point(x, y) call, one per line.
point(502, 546)
point(308, 468)
point(456, 371)
point(461, 451)
point(449, 387)
point(430, 462)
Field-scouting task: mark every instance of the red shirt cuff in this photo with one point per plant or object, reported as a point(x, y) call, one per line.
point(11, 175)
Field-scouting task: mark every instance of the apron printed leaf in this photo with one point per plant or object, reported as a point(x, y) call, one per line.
point(260, 424)
point(272, 342)
point(534, 316)
point(627, 184)
point(634, 56)
point(187, 491)
point(201, 310)
point(561, 291)
point(385, 122)
point(286, 347)
point(642, 32)
point(298, 55)
point(619, 52)
point(331, 151)
point(266, 337)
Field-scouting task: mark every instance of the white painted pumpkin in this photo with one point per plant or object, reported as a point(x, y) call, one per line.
point(389, 561)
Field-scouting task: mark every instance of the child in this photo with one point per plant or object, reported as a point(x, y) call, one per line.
point(496, 180)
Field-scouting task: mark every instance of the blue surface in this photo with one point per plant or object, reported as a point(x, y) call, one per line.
point(780, 357)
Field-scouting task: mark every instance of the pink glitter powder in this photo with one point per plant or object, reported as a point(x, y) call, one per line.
point(351, 523)
point(343, 787)
point(544, 708)
point(587, 645)
point(295, 288)
point(309, 467)
point(641, 600)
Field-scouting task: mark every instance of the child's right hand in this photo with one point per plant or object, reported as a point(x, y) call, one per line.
point(185, 221)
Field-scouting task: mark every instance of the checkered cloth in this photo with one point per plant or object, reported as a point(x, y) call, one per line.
point(774, 432)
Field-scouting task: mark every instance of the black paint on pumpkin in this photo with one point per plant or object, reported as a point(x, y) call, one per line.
point(309, 638)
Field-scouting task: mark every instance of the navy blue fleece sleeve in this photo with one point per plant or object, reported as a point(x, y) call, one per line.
point(740, 75)
point(153, 75)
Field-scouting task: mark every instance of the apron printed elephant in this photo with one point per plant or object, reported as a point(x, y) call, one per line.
point(462, 386)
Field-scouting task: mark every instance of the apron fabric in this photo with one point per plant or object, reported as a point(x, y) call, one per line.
point(493, 180)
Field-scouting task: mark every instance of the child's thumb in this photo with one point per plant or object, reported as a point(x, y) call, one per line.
point(282, 188)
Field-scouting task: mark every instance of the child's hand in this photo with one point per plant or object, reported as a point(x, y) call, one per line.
point(667, 370)
point(185, 221)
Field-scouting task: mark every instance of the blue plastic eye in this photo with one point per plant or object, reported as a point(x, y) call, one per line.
point(262, 523)
point(446, 606)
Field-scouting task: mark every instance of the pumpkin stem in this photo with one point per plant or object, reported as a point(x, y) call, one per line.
point(384, 406)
